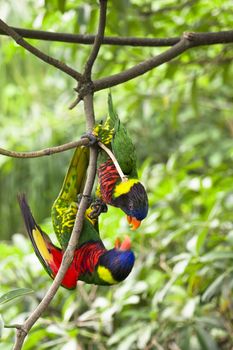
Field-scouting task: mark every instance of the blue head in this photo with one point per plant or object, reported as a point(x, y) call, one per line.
point(116, 264)
point(132, 198)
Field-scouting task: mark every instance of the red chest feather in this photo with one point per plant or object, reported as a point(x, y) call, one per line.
point(108, 176)
point(87, 256)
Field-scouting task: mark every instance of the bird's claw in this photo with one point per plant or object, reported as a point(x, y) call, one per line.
point(98, 207)
point(92, 138)
point(89, 198)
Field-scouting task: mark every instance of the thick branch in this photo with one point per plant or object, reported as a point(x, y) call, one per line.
point(223, 37)
point(46, 151)
point(36, 52)
point(98, 39)
point(189, 40)
point(89, 39)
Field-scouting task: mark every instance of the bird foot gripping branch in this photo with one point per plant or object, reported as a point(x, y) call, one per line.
point(93, 140)
point(98, 207)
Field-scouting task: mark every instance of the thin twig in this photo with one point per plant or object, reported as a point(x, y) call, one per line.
point(36, 52)
point(46, 151)
point(115, 162)
point(14, 325)
point(98, 39)
point(75, 103)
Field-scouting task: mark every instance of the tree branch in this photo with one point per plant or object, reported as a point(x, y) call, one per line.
point(89, 39)
point(46, 151)
point(108, 40)
point(85, 86)
point(188, 41)
point(36, 52)
point(98, 39)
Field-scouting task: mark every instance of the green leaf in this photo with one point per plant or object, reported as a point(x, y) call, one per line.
point(214, 288)
point(213, 256)
point(205, 339)
point(201, 240)
point(15, 294)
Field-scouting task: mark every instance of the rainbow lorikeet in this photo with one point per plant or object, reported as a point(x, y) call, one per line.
point(128, 194)
point(92, 263)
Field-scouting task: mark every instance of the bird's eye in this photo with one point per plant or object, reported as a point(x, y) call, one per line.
point(130, 205)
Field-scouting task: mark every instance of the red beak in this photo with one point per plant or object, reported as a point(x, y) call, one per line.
point(133, 222)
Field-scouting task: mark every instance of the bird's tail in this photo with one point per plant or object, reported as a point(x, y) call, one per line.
point(49, 255)
point(41, 242)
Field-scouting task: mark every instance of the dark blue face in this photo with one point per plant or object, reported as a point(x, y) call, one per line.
point(135, 202)
point(119, 262)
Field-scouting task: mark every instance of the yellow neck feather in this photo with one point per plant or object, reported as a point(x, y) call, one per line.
point(105, 275)
point(124, 187)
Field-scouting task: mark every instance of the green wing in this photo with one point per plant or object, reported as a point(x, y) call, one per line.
point(65, 207)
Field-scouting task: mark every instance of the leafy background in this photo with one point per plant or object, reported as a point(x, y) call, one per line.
point(179, 295)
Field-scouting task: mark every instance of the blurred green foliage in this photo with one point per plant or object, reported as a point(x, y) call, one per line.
point(179, 295)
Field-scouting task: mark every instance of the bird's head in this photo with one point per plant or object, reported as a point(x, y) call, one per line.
point(116, 264)
point(131, 197)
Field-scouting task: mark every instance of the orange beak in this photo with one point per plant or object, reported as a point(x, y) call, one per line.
point(125, 245)
point(117, 243)
point(133, 222)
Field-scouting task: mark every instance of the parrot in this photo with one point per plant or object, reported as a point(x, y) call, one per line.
point(92, 262)
point(128, 194)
